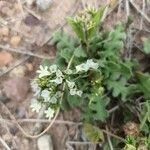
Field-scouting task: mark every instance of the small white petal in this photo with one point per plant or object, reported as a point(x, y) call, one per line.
point(46, 95)
point(53, 68)
point(49, 113)
point(43, 71)
point(72, 91)
point(86, 66)
point(68, 71)
point(70, 84)
point(79, 93)
point(58, 80)
point(36, 106)
point(36, 89)
point(53, 100)
point(92, 64)
point(58, 94)
point(59, 73)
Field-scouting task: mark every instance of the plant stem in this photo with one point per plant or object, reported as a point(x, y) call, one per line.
point(144, 120)
point(109, 140)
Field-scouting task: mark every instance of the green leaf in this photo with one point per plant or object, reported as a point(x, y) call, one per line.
point(77, 28)
point(66, 54)
point(63, 40)
point(144, 83)
point(79, 52)
point(93, 133)
point(97, 106)
point(46, 62)
point(120, 88)
point(147, 46)
point(74, 101)
point(115, 38)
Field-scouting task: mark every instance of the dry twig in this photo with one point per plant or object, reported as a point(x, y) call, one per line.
point(127, 9)
point(32, 13)
point(4, 144)
point(138, 10)
point(25, 52)
point(143, 10)
point(109, 140)
point(41, 121)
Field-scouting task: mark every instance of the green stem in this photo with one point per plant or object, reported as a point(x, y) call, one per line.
point(144, 120)
point(64, 85)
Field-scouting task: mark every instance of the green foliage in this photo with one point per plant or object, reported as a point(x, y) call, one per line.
point(115, 39)
point(144, 83)
point(93, 133)
point(136, 143)
point(145, 117)
point(94, 75)
point(97, 106)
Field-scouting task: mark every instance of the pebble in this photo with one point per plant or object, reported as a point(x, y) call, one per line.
point(5, 58)
point(4, 31)
point(45, 142)
point(18, 71)
point(43, 4)
point(16, 88)
point(15, 41)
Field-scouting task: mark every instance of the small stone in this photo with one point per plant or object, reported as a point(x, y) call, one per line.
point(15, 41)
point(43, 4)
point(31, 21)
point(17, 7)
point(4, 31)
point(29, 66)
point(7, 11)
point(16, 88)
point(5, 58)
point(19, 71)
point(45, 142)
point(29, 2)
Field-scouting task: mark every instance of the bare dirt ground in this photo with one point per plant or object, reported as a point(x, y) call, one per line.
point(24, 34)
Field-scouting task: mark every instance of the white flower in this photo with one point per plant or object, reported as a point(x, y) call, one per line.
point(86, 66)
point(79, 93)
point(75, 92)
point(36, 106)
point(53, 68)
point(35, 88)
point(91, 64)
point(58, 80)
point(72, 91)
point(70, 84)
point(68, 71)
point(49, 113)
point(43, 71)
point(53, 99)
point(46, 95)
point(82, 67)
point(59, 73)
point(58, 94)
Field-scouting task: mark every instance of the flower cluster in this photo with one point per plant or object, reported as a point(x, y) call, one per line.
point(73, 89)
point(84, 18)
point(90, 64)
point(48, 85)
point(47, 95)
